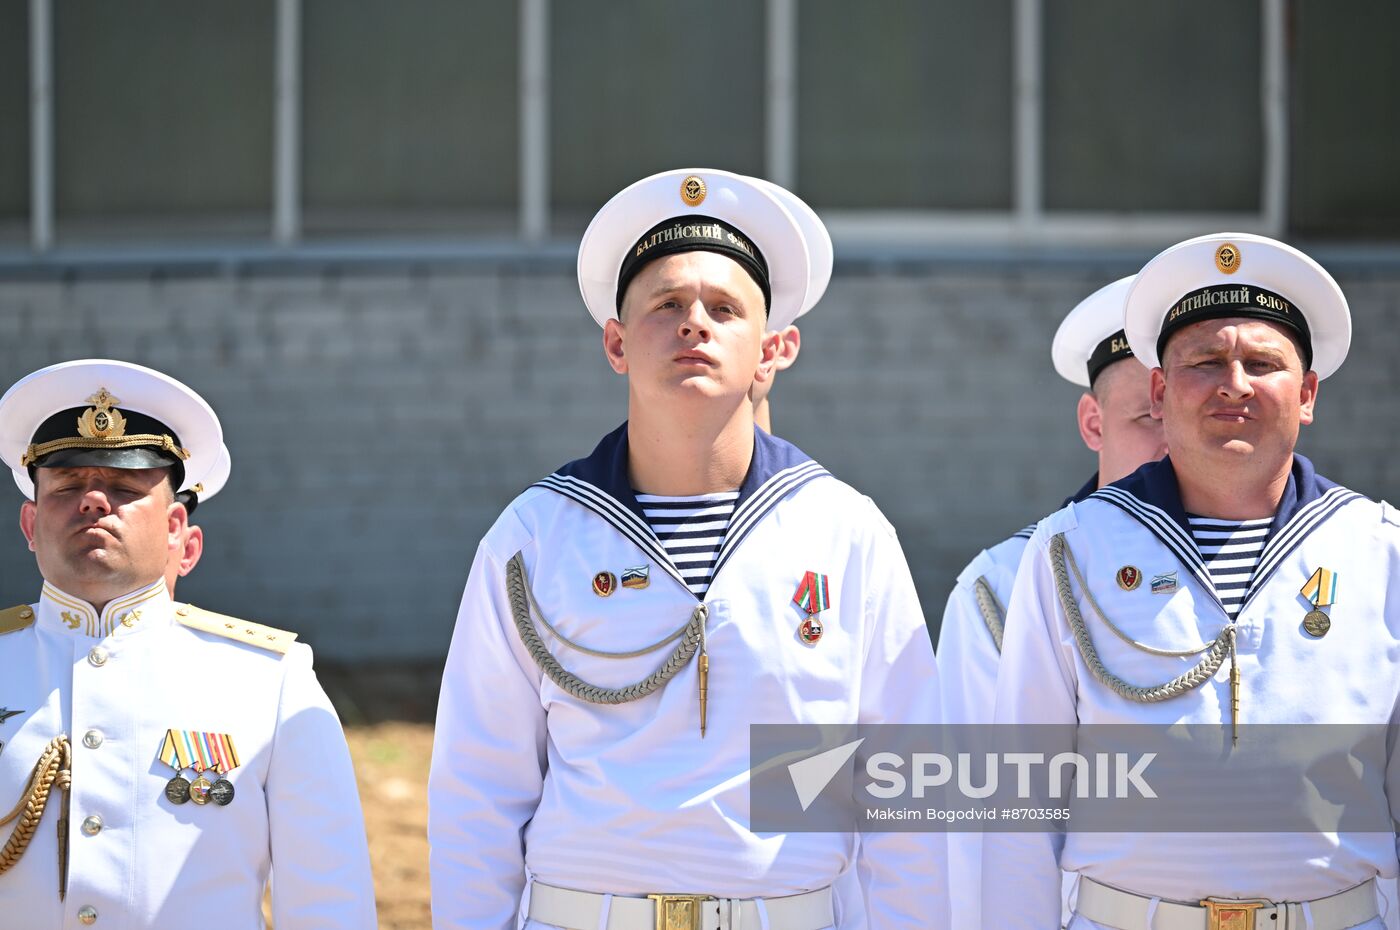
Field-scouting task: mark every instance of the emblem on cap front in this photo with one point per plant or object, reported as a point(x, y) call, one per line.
point(1227, 258)
point(100, 421)
point(693, 190)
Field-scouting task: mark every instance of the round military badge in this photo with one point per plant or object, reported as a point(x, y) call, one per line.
point(604, 584)
point(199, 790)
point(1317, 623)
point(811, 630)
point(177, 790)
point(221, 792)
point(1129, 578)
point(693, 190)
point(1227, 258)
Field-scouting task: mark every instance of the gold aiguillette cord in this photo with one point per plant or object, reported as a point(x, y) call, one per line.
point(53, 770)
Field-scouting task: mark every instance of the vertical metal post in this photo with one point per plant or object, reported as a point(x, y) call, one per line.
point(41, 225)
point(534, 119)
point(286, 141)
point(1274, 105)
point(1027, 196)
point(781, 98)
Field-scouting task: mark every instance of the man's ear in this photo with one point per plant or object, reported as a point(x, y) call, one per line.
point(791, 345)
point(614, 335)
point(27, 514)
point(1090, 416)
point(178, 519)
point(1308, 397)
point(193, 549)
point(770, 348)
point(1158, 393)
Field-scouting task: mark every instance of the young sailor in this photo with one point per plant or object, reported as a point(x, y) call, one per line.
point(631, 615)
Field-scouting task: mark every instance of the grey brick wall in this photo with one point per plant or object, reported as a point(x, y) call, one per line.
point(379, 421)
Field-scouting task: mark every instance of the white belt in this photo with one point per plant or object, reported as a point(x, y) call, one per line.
point(583, 910)
point(1125, 911)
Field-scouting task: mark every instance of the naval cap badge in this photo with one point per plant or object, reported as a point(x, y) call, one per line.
point(693, 190)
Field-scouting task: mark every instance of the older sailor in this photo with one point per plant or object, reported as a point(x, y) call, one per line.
point(1217, 570)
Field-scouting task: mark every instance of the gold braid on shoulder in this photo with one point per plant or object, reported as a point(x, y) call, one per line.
point(54, 768)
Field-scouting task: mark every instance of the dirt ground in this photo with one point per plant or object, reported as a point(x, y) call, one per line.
point(391, 762)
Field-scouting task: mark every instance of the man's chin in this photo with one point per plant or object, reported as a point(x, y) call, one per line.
point(94, 562)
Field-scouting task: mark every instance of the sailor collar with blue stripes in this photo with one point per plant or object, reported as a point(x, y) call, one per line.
point(600, 483)
point(1152, 496)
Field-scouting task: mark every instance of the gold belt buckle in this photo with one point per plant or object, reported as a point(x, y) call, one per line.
point(679, 911)
point(1223, 914)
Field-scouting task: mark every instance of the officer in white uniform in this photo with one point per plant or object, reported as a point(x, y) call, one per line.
point(592, 744)
point(161, 760)
point(1091, 351)
point(1239, 330)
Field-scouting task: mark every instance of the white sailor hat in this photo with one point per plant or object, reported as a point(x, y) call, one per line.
point(696, 209)
point(1239, 275)
point(110, 414)
point(820, 254)
point(212, 484)
point(1091, 336)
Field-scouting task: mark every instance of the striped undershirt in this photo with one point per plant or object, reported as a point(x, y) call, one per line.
point(692, 530)
point(1231, 551)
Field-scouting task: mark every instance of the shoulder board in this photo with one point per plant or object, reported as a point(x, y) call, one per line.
point(1389, 514)
point(13, 619)
point(240, 631)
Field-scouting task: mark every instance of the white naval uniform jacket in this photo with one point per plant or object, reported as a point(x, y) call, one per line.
point(628, 799)
point(1352, 676)
point(115, 689)
point(967, 676)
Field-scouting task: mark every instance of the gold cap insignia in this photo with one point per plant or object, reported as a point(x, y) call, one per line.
point(102, 427)
point(101, 421)
point(1227, 258)
point(693, 190)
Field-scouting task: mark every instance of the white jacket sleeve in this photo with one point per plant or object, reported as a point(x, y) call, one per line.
point(967, 677)
point(1021, 883)
point(967, 655)
point(320, 859)
point(904, 875)
point(489, 761)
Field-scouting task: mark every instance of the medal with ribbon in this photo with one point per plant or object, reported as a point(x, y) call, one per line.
point(1320, 591)
point(200, 760)
point(177, 790)
point(203, 752)
point(812, 597)
point(227, 755)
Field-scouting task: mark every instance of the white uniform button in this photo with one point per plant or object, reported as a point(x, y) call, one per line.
point(92, 739)
point(87, 915)
point(98, 656)
point(92, 825)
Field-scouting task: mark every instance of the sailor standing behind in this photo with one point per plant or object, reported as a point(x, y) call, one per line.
point(630, 616)
point(1091, 351)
